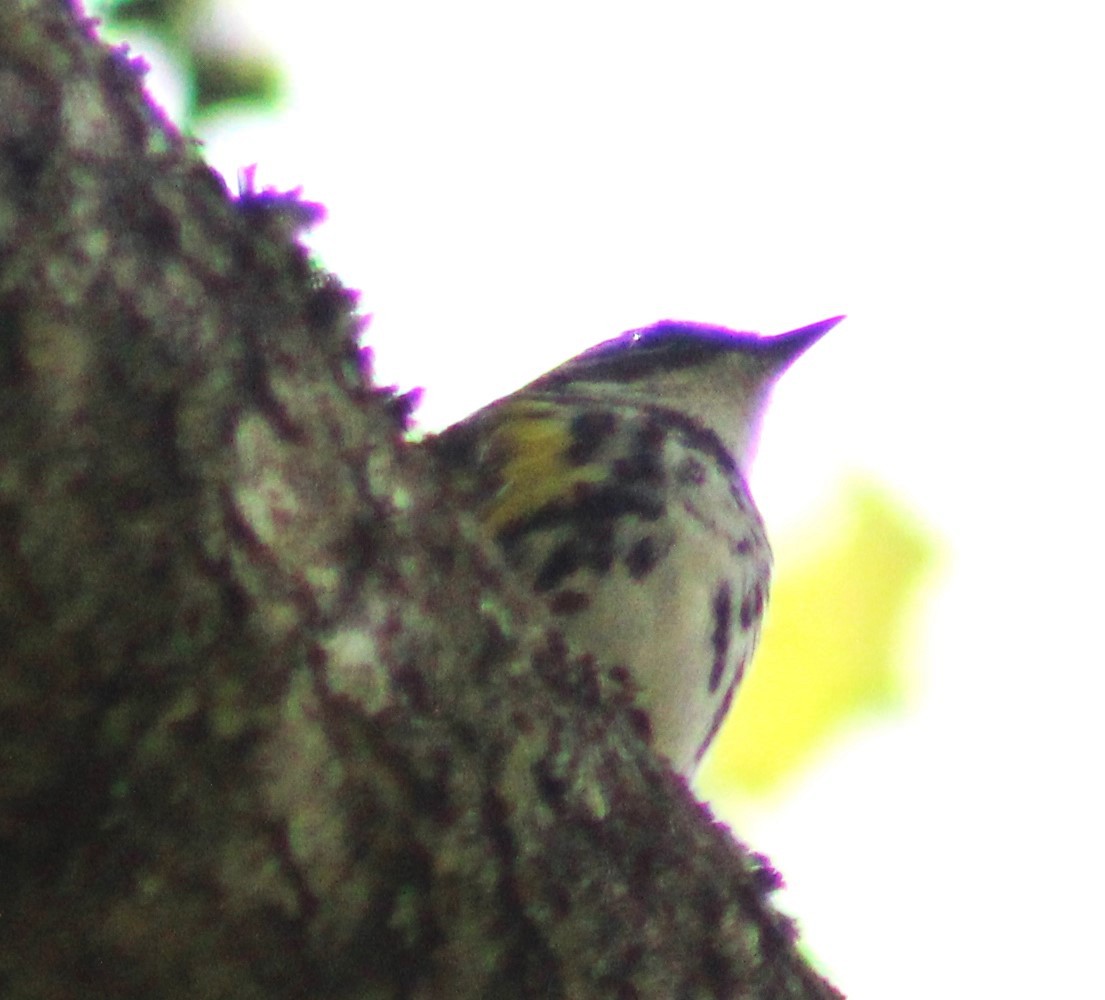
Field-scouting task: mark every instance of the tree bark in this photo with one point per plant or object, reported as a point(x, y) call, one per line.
point(273, 720)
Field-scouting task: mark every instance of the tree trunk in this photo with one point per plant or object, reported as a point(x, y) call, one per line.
point(273, 720)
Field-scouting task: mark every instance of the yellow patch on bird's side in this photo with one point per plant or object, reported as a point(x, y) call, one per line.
point(529, 450)
point(832, 646)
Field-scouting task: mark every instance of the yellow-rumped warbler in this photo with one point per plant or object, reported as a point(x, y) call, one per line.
point(615, 485)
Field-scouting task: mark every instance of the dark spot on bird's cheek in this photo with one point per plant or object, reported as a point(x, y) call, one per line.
point(695, 435)
point(691, 472)
point(644, 461)
point(589, 430)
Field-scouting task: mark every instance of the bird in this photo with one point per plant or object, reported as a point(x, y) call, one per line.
point(616, 487)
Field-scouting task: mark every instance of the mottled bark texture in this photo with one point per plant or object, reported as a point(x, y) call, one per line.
point(272, 721)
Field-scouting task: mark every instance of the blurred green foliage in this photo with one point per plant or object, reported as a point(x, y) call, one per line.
point(219, 71)
point(832, 648)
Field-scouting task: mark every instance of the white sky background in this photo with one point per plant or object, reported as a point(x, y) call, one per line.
point(510, 183)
